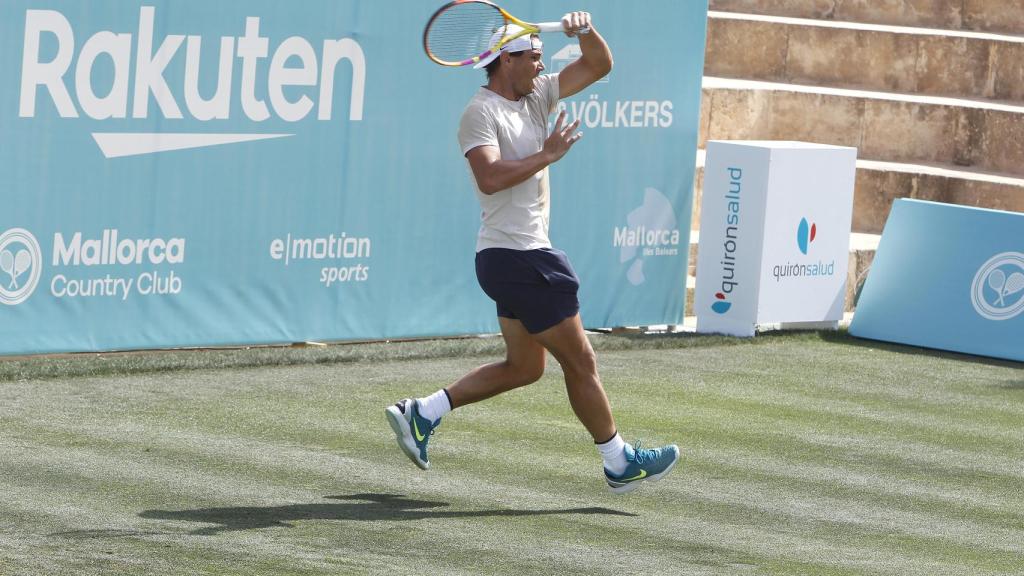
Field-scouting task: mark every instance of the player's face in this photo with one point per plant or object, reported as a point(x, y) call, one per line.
point(526, 68)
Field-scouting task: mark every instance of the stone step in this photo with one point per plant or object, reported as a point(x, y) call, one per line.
point(872, 57)
point(878, 184)
point(980, 15)
point(987, 136)
point(862, 253)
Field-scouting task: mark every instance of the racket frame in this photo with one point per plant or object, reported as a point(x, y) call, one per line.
point(527, 29)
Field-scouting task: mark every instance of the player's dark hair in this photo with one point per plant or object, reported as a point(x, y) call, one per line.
point(493, 66)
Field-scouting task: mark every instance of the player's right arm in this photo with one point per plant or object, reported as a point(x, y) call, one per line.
point(494, 174)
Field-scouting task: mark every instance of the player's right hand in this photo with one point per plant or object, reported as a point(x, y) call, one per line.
point(561, 139)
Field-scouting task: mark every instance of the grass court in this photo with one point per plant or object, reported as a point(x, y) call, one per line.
point(802, 453)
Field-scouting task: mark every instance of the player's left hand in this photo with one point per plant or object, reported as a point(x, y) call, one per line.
point(573, 22)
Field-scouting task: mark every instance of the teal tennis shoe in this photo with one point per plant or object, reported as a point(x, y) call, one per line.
point(641, 466)
point(412, 431)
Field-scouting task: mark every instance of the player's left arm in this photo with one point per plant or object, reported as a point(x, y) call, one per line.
point(594, 64)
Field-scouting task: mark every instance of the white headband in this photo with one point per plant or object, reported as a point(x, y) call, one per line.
point(525, 42)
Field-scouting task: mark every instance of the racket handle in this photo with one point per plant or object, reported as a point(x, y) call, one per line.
point(557, 27)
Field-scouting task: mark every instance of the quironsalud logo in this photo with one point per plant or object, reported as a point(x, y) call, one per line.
point(805, 234)
point(721, 305)
point(21, 263)
point(997, 292)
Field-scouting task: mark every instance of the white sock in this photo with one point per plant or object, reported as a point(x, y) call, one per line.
point(614, 454)
point(435, 406)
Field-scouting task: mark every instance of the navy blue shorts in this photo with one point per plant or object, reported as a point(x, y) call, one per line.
point(536, 287)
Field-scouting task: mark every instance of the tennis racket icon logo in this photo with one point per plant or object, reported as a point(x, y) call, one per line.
point(1004, 286)
point(20, 266)
point(15, 265)
point(997, 291)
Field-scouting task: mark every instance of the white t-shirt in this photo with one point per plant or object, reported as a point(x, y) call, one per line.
point(516, 217)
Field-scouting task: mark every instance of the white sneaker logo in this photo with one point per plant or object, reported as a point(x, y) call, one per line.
point(997, 292)
point(20, 265)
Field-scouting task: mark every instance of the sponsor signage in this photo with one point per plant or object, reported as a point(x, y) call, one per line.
point(947, 277)
point(775, 233)
point(651, 232)
point(21, 260)
point(190, 173)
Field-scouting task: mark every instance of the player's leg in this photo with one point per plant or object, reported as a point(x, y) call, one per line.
point(501, 273)
point(568, 343)
point(625, 467)
point(523, 364)
point(413, 420)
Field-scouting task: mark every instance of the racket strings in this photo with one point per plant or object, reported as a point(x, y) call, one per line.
point(463, 31)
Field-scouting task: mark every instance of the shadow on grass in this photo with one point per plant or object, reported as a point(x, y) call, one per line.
point(846, 338)
point(106, 533)
point(356, 507)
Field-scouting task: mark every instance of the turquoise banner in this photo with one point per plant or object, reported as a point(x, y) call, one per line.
point(947, 277)
point(194, 173)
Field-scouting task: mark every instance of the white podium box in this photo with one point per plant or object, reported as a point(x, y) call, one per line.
point(774, 235)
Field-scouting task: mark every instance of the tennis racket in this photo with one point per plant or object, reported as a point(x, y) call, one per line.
point(460, 32)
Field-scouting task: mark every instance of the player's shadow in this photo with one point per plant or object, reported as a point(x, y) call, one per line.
point(356, 507)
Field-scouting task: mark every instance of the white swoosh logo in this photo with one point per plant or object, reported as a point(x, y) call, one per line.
point(117, 145)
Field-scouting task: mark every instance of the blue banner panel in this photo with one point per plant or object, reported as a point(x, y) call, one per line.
point(947, 277)
point(193, 173)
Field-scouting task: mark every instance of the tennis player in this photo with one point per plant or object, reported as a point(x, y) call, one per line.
point(503, 136)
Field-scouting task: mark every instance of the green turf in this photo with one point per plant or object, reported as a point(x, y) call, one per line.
point(802, 454)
